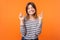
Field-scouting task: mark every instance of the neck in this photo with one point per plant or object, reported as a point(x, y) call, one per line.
point(31, 17)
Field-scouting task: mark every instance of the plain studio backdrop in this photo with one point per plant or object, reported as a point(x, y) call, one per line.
point(10, 24)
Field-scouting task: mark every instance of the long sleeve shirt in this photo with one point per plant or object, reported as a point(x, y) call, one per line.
point(31, 29)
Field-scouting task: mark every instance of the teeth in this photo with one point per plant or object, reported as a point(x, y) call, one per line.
point(32, 10)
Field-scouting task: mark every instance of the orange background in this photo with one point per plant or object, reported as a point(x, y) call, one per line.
point(10, 24)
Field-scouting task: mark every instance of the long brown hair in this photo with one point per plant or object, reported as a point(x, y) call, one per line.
point(33, 5)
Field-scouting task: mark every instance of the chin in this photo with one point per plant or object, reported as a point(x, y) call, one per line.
point(31, 13)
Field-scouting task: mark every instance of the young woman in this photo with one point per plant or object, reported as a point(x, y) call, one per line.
point(30, 25)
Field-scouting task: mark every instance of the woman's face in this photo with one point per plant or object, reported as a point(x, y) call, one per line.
point(31, 10)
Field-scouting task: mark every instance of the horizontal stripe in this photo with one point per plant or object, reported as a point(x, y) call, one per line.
point(33, 28)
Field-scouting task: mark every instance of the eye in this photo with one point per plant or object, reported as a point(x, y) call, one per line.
point(31, 7)
point(28, 8)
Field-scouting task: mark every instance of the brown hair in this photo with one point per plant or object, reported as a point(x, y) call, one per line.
point(33, 5)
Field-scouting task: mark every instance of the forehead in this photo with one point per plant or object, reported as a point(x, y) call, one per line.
point(29, 6)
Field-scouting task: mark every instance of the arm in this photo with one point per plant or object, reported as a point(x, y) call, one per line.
point(22, 29)
point(39, 28)
point(22, 25)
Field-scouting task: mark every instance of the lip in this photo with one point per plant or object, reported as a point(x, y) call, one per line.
point(32, 10)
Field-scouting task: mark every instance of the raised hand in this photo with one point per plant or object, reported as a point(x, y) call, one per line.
point(21, 17)
point(41, 15)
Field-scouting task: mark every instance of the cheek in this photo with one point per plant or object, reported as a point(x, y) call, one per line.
point(28, 11)
point(33, 10)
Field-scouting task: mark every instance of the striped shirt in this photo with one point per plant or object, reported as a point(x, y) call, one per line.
point(31, 29)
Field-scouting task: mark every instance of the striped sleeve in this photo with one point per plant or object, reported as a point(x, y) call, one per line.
point(39, 28)
point(22, 29)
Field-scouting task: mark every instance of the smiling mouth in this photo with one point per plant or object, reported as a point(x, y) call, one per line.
point(32, 10)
